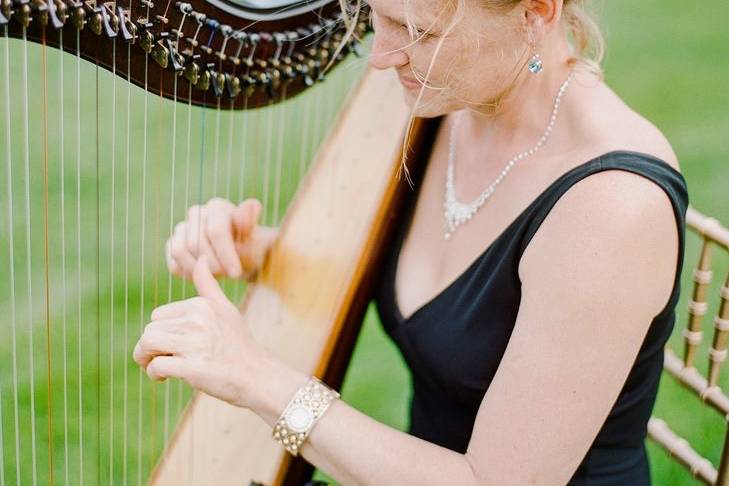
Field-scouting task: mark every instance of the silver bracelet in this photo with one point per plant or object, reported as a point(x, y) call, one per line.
point(303, 411)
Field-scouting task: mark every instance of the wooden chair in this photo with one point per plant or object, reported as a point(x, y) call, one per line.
point(713, 235)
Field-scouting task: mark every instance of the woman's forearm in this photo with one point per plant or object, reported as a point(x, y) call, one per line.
point(352, 447)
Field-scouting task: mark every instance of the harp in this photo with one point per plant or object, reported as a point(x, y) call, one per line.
point(116, 116)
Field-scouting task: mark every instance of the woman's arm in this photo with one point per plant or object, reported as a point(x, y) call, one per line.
point(597, 271)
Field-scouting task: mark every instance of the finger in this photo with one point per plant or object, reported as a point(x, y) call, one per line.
point(197, 239)
point(175, 309)
point(220, 235)
point(245, 217)
point(179, 325)
point(153, 344)
point(193, 231)
point(174, 268)
point(180, 252)
point(206, 284)
point(163, 367)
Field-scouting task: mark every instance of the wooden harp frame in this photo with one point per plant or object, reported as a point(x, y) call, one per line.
point(316, 282)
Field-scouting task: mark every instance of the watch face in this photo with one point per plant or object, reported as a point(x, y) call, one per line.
point(299, 418)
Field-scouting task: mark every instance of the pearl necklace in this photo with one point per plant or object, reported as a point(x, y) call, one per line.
point(456, 213)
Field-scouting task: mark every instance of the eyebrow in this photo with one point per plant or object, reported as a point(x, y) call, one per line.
point(402, 22)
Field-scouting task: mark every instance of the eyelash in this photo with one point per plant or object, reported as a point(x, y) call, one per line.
point(418, 33)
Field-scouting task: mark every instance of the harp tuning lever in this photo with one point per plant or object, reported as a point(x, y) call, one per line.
point(24, 12)
point(192, 72)
point(126, 27)
point(41, 10)
point(6, 11)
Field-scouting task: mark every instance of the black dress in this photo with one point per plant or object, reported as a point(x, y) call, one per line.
point(452, 365)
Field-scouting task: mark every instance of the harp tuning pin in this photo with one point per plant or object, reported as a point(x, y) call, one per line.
point(226, 30)
point(199, 17)
point(288, 72)
point(184, 7)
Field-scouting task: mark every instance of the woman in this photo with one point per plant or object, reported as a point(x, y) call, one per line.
point(554, 289)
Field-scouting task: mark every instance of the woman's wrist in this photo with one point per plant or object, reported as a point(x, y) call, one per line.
point(271, 388)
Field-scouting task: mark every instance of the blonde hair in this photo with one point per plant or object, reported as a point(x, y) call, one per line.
point(584, 35)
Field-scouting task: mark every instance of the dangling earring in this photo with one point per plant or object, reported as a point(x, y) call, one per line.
point(535, 64)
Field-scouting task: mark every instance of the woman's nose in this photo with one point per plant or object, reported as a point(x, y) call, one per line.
point(386, 54)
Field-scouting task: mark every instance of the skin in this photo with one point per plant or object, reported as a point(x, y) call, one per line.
point(592, 276)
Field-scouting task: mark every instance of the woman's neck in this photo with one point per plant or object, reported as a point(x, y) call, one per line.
point(523, 115)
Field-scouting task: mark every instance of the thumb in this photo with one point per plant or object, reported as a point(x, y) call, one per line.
point(205, 283)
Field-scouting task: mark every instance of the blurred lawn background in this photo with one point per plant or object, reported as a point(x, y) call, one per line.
point(666, 58)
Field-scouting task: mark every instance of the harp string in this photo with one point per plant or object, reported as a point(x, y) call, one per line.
point(201, 167)
point(157, 242)
point(2, 436)
point(169, 232)
point(216, 156)
point(98, 278)
point(11, 254)
point(304, 142)
point(112, 282)
point(31, 348)
point(64, 293)
point(183, 291)
point(142, 268)
point(267, 165)
point(155, 275)
point(125, 401)
point(45, 253)
point(78, 258)
point(279, 157)
point(230, 115)
point(242, 173)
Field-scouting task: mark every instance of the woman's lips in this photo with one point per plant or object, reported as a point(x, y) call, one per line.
point(409, 82)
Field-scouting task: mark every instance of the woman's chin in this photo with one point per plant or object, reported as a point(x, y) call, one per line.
point(425, 108)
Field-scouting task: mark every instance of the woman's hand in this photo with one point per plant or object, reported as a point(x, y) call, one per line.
point(204, 341)
point(228, 235)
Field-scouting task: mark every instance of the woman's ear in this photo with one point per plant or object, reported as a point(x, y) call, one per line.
point(542, 15)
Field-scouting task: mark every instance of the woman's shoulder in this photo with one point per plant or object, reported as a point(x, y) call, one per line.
point(610, 124)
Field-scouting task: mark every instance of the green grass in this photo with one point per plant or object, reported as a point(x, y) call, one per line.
point(666, 58)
